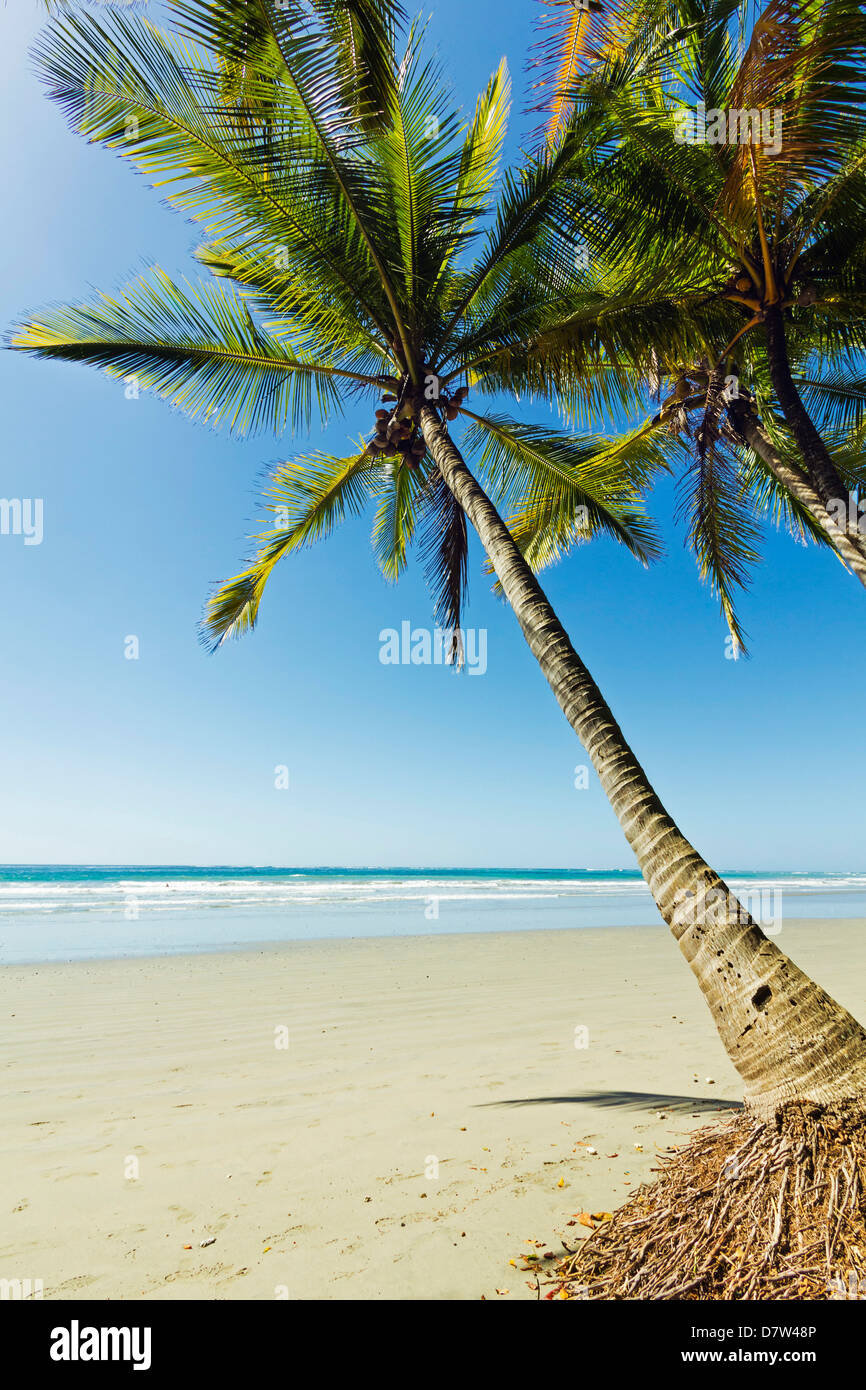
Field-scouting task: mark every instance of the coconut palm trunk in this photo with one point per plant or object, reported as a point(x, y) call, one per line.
point(790, 1042)
point(819, 463)
point(749, 427)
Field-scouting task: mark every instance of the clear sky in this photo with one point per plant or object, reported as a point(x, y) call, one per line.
point(171, 758)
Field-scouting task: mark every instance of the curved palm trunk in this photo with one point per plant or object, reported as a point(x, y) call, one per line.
point(819, 463)
point(749, 427)
point(787, 1038)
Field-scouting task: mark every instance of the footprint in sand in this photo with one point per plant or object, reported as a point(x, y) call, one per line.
point(182, 1214)
point(79, 1282)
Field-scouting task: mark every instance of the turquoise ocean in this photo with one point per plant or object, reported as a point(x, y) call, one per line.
point(77, 912)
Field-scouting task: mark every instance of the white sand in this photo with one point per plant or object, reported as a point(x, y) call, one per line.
point(458, 1048)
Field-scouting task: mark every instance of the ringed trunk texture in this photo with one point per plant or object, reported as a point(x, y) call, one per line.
point(850, 549)
point(819, 464)
point(788, 1039)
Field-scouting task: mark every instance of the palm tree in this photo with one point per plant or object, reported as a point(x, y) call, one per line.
point(352, 230)
point(735, 260)
point(738, 467)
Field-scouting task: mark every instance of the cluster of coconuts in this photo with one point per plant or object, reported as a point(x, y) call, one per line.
point(742, 282)
point(452, 409)
point(396, 435)
point(397, 432)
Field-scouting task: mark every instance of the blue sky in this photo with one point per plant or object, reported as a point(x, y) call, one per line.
point(171, 758)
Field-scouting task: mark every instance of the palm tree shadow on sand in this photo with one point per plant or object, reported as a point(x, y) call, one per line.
point(627, 1100)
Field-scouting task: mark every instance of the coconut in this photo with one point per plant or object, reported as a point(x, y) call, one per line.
point(743, 283)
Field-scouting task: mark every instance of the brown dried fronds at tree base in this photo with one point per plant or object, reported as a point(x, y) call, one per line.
point(744, 1211)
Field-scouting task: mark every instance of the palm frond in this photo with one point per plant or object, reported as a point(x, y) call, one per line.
point(198, 347)
point(400, 500)
point(252, 170)
point(721, 527)
point(482, 147)
point(564, 29)
point(562, 489)
point(836, 396)
point(444, 546)
point(299, 47)
point(308, 498)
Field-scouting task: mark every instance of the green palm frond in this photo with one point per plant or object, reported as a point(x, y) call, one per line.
point(771, 498)
point(420, 160)
point(301, 51)
point(482, 147)
point(199, 348)
point(327, 327)
point(337, 55)
point(308, 498)
point(271, 181)
point(564, 346)
point(524, 218)
point(721, 526)
point(840, 412)
point(444, 544)
point(402, 493)
point(837, 396)
point(561, 489)
point(351, 40)
point(365, 32)
point(574, 40)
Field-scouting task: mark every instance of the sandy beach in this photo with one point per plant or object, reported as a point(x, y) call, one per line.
point(361, 1119)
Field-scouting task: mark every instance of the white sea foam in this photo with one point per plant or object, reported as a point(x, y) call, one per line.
point(110, 895)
